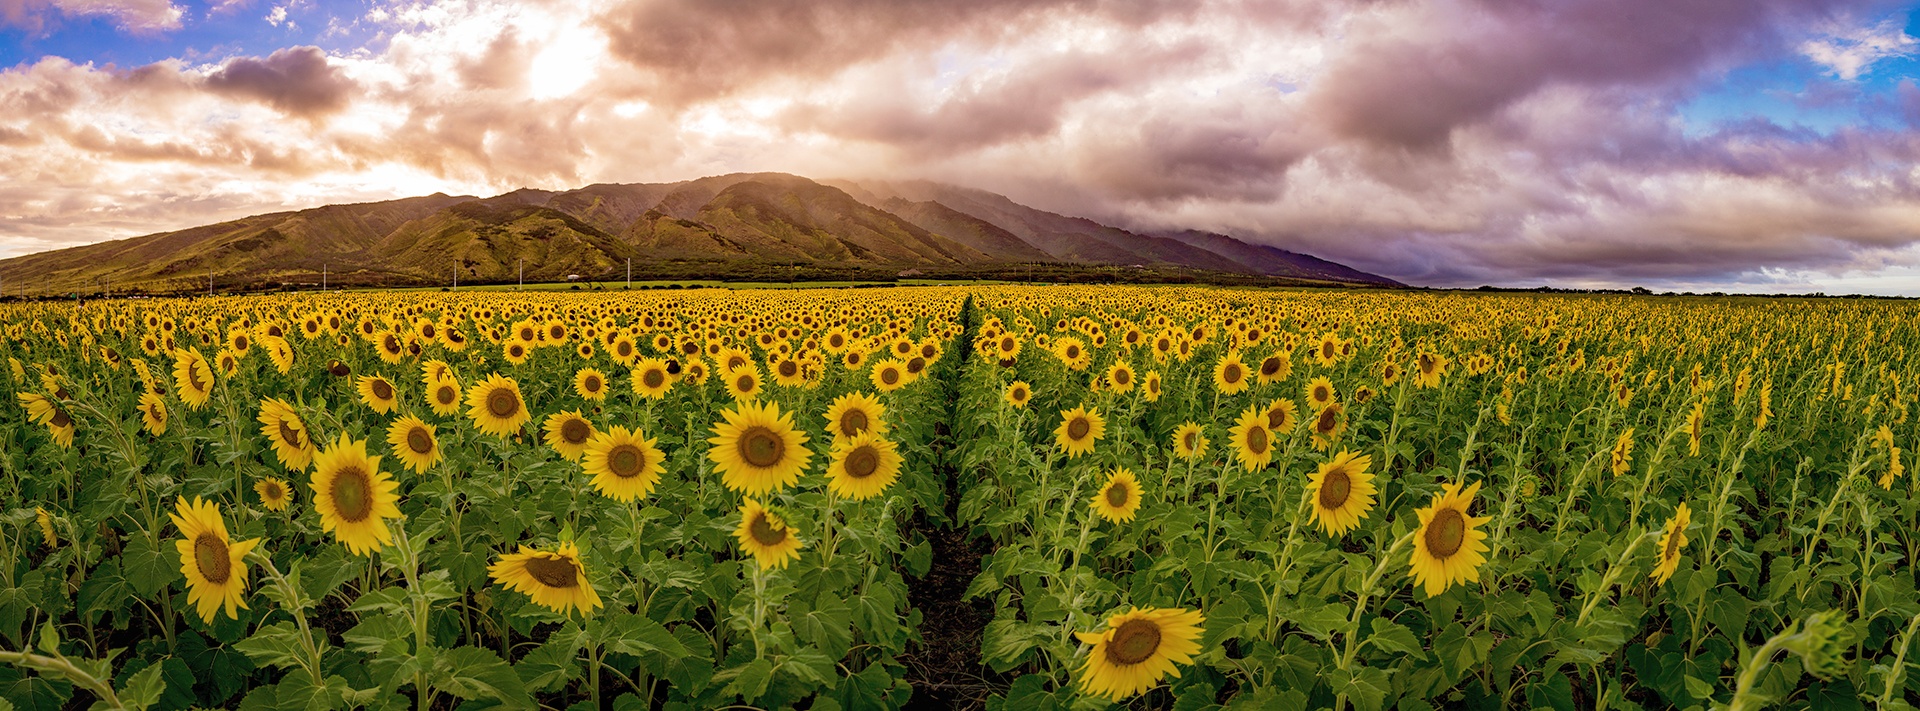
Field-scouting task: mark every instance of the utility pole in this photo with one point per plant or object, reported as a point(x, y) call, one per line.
point(323, 276)
point(209, 283)
point(629, 272)
point(456, 276)
point(523, 274)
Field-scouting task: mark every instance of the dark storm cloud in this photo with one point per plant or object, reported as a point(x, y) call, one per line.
point(1412, 85)
point(699, 49)
point(298, 81)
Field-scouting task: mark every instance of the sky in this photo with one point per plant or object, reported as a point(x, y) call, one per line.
point(1693, 145)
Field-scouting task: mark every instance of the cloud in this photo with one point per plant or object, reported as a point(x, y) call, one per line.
point(141, 16)
point(1847, 52)
point(1448, 142)
point(298, 81)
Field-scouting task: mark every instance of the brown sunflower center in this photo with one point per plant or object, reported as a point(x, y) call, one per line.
point(762, 448)
point(1257, 439)
point(1122, 377)
point(1320, 393)
point(744, 383)
point(382, 389)
point(1446, 533)
point(1073, 352)
point(502, 403)
point(1191, 441)
point(1231, 373)
point(1117, 495)
point(1335, 487)
point(1078, 428)
point(419, 440)
point(352, 492)
point(626, 461)
point(593, 383)
point(575, 431)
point(1673, 544)
point(1008, 344)
point(1328, 419)
point(653, 378)
point(553, 571)
point(889, 375)
point(1426, 364)
point(765, 532)
point(1277, 419)
point(290, 434)
point(1270, 366)
point(1134, 642)
point(60, 419)
point(853, 422)
point(272, 491)
point(863, 462)
point(789, 369)
point(390, 343)
point(193, 376)
point(445, 395)
point(210, 555)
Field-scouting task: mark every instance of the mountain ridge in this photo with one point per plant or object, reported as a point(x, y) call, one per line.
point(713, 223)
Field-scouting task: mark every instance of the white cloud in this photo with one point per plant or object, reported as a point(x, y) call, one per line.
point(1847, 52)
point(277, 15)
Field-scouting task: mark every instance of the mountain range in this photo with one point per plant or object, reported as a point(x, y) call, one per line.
point(708, 225)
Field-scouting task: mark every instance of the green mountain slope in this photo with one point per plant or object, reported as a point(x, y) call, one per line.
point(721, 221)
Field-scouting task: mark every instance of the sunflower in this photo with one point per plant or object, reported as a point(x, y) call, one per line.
point(1153, 386)
point(1342, 492)
point(1137, 649)
point(192, 377)
point(443, 395)
point(1320, 393)
point(378, 393)
point(1671, 543)
point(1696, 427)
point(855, 413)
point(353, 496)
point(591, 384)
point(567, 432)
point(1252, 441)
point(1017, 394)
point(292, 443)
point(889, 375)
point(1190, 441)
point(743, 382)
point(1230, 374)
point(213, 563)
point(1282, 416)
point(1079, 429)
point(625, 465)
point(863, 466)
point(496, 406)
point(555, 580)
point(1622, 456)
point(765, 536)
point(45, 521)
point(1448, 545)
point(1432, 367)
point(757, 449)
point(414, 442)
point(1119, 498)
point(43, 410)
point(1120, 377)
point(1328, 425)
point(274, 493)
point(651, 379)
point(1274, 368)
point(153, 413)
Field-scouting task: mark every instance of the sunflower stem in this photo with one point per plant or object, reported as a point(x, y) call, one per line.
point(1360, 610)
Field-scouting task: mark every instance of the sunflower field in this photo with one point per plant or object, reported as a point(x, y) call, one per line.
point(1000, 497)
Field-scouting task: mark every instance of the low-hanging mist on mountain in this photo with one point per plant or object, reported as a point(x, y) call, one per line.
point(713, 225)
